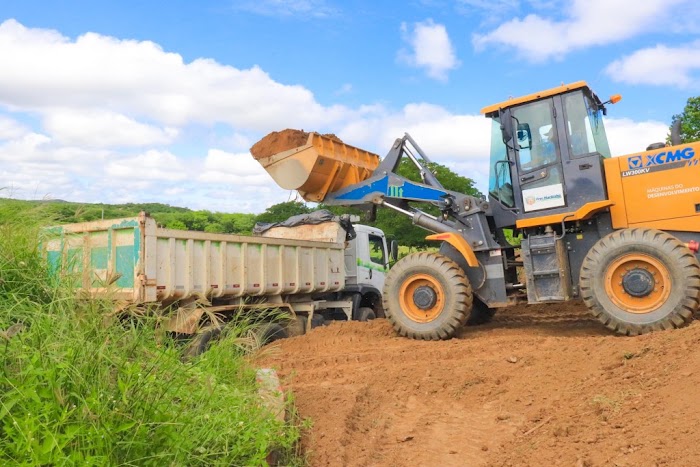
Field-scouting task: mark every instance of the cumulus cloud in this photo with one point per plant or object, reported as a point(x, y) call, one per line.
point(680, 66)
point(224, 167)
point(11, 129)
point(95, 128)
point(43, 70)
point(151, 165)
point(627, 136)
point(430, 49)
point(586, 23)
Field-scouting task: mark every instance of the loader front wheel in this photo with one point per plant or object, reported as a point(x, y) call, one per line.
point(639, 280)
point(427, 296)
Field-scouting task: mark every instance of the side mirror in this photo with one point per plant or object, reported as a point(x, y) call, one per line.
point(394, 250)
point(524, 136)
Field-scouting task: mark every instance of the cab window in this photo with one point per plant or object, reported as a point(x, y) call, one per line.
point(376, 250)
point(536, 136)
point(500, 185)
point(585, 129)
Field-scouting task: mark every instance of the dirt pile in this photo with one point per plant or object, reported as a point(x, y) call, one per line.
point(279, 141)
point(543, 385)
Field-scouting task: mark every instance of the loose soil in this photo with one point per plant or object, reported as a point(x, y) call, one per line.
point(284, 140)
point(539, 386)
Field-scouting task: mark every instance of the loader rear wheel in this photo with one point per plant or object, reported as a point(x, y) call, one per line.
point(639, 280)
point(427, 296)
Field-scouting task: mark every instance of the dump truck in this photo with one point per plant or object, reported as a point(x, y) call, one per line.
point(620, 233)
point(316, 268)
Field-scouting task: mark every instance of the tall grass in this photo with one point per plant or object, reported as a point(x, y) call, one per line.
point(76, 390)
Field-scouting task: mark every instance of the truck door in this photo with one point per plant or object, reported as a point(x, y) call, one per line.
point(371, 259)
point(538, 157)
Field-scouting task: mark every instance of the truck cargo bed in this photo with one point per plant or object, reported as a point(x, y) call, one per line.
point(133, 260)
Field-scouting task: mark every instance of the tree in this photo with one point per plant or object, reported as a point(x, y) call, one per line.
point(282, 211)
point(690, 121)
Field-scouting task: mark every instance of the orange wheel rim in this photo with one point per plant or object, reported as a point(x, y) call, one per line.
point(622, 279)
point(422, 311)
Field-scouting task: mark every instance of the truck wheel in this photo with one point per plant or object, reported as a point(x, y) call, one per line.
point(271, 332)
point(200, 342)
point(427, 296)
point(365, 314)
point(638, 280)
point(480, 314)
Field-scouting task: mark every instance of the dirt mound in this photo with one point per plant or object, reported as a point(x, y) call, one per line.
point(540, 385)
point(279, 141)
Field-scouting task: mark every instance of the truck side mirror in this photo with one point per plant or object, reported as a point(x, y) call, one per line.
point(394, 251)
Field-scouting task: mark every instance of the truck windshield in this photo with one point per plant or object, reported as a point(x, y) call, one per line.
point(585, 129)
point(500, 186)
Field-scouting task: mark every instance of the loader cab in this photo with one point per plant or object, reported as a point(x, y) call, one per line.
point(546, 153)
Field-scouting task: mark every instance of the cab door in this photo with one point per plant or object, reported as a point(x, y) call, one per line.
point(372, 257)
point(538, 158)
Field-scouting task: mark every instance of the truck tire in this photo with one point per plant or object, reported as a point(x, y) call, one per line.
point(201, 341)
point(427, 296)
point(271, 332)
point(480, 314)
point(365, 314)
point(639, 280)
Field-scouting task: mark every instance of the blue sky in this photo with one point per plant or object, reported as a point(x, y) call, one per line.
point(127, 101)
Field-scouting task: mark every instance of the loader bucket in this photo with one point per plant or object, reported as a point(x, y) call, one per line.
point(320, 166)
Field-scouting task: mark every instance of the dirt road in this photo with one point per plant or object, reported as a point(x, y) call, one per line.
point(539, 386)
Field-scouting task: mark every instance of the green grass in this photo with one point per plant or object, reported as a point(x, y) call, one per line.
point(79, 389)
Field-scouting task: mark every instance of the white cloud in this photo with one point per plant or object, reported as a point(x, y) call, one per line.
point(431, 49)
point(11, 129)
point(234, 169)
point(680, 66)
point(587, 23)
point(344, 89)
point(94, 128)
point(627, 136)
point(151, 165)
point(286, 8)
point(43, 71)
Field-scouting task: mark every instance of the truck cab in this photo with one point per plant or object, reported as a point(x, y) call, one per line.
point(366, 258)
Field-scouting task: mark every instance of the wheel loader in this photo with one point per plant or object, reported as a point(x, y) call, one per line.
point(620, 233)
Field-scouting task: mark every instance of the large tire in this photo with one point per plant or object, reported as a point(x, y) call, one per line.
point(271, 332)
point(427, 296)
point(365, 313)
point(201, 341)
point(480, 314)
point(639, 280)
